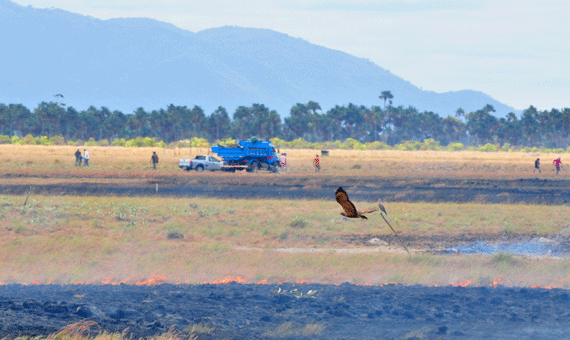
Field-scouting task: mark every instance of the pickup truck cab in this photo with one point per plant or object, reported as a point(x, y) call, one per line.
point(201, 163)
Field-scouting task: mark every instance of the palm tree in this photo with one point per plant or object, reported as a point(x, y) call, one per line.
point(386, 95)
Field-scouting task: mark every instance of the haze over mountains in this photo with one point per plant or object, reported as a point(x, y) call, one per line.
point(128, 63)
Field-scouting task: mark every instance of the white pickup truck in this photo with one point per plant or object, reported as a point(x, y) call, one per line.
point(201, 163)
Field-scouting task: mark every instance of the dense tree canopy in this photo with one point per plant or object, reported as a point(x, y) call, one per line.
point(391, 125)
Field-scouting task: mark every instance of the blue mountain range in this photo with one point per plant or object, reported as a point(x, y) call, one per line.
point(138, 62)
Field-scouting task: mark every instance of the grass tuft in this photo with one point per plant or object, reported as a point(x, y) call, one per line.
point(298, 222)
point(503, 258)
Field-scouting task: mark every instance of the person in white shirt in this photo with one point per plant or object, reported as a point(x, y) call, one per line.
point(86, 157)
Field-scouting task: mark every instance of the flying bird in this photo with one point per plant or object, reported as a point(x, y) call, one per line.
point(349, 208)
point(58, 95)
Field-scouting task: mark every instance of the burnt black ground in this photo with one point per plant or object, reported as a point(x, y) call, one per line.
point(525, 191)
point(245, 311)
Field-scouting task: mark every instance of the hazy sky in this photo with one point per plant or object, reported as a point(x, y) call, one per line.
point(516, 51)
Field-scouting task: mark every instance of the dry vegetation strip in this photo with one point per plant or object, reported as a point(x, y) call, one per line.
point(135, 162)
point(92, 239)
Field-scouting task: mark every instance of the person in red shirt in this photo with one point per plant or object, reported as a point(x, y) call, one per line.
point(283, 161)
point(317, 163)
point(557, 163)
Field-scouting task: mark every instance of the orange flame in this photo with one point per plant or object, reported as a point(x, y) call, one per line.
point(543, 287)
point(461, 284)
point(160, 279)
point(303, 282)
point(498, 282)
point(227, 279)
point(152, 280)
point(125, 280)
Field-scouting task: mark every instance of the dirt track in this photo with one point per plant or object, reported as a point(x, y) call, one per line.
point(288, 311)
point(527, 191)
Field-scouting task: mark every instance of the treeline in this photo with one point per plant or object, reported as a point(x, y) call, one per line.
point(299, 143)
point(389, 125)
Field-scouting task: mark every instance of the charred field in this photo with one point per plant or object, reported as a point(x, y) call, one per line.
point(435, 190)
point(284, 311)
point(91, 253)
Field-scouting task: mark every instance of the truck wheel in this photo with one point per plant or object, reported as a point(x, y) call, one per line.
point(188, 168)
point(276, 167)
point(199, 168)
point(254, 167)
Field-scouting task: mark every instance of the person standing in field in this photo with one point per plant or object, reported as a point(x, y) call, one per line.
point(86, 157)
point(317, 163)
point(557, 163)
point(283, 161)
point(77, 158)
point(536, 165)
point(154, 159)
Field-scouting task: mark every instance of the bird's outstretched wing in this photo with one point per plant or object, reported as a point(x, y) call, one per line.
point(346, 204)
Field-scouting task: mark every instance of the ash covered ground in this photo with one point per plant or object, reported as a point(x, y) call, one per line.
point(287, 311)
point(493, 191)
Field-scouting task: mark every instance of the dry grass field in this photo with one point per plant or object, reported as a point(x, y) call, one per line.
point(67, 239)
point(135, 162)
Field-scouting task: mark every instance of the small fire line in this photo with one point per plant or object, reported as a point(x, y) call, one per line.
point(161, 279)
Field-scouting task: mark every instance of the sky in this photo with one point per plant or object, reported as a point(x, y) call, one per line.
point(518, 52)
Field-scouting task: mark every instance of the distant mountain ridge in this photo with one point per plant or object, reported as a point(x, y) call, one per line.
point(128, 63)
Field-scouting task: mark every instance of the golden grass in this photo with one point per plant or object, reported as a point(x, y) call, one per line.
point(81, 330)
point(111, 239)
point(135, 162)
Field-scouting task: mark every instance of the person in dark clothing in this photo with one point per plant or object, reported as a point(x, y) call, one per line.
point(537, 165)
point(154, 159)
point(77, 158)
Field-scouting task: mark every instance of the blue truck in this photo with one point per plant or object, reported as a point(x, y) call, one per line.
point(250, 155)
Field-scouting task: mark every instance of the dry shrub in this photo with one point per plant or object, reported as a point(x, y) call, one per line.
point(80, 329)
point(287, 329)
point(298, 222)
point(199, 328)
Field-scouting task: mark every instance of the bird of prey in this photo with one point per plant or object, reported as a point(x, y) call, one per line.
point(381, 206)
point(349, 208)
point(58, 95)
